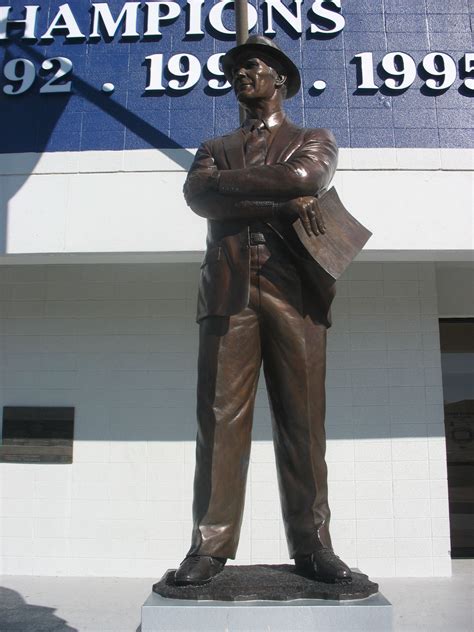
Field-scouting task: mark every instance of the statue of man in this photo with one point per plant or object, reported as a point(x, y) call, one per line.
point(258, 305)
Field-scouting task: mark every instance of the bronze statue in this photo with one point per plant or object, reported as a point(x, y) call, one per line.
point(262, 298)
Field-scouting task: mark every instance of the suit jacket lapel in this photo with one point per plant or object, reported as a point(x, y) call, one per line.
point(234, 149)
point(234, 145)
point(282, 141)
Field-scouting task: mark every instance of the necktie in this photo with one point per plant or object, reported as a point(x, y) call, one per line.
point(256, 144)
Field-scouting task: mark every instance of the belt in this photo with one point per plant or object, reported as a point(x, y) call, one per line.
point(256, 238)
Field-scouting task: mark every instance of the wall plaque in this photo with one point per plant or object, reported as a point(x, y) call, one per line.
point(34, 434)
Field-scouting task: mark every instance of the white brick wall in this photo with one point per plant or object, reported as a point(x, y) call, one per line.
point(119, 343)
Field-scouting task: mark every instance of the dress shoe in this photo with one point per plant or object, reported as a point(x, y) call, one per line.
point(196, 570)
point(325, 566)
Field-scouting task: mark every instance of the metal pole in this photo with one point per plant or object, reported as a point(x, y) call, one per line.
point(241, 21)
point(241, 33)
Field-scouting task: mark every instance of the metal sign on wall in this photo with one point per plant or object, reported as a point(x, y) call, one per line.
point(116, 75)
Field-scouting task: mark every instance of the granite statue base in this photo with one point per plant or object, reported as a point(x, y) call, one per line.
point(264, 598)
point(264, 581)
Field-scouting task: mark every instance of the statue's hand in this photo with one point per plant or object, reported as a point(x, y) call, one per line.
point(307, 209)
point(199, 182)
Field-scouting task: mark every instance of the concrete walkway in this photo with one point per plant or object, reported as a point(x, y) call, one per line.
point(79, 604)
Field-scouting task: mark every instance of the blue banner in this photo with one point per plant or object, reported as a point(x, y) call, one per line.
point(118, 75)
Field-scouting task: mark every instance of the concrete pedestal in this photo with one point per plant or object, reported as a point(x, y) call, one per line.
point(373, 614)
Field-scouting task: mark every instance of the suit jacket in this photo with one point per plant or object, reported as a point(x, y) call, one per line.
point(299, 162)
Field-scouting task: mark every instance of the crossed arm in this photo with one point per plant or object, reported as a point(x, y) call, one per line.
point(284, 189)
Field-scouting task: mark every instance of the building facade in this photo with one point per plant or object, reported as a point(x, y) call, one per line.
point(102, 105)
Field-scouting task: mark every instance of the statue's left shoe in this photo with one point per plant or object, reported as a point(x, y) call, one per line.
point(325, 566)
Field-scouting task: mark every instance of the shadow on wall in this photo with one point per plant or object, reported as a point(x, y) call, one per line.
point(145, 422)
point(119, 344)
point(56, 106)
point(18, 616)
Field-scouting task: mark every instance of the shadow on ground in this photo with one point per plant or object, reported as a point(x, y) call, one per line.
point(16, 615)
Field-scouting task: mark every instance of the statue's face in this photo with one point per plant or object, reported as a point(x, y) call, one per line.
point(253, 79)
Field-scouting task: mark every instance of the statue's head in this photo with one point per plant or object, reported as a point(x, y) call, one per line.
point(259, 69)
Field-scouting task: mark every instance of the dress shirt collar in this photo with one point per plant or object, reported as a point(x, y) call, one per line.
point(271, 123)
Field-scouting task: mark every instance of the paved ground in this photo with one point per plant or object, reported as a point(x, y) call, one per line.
point(55, 604)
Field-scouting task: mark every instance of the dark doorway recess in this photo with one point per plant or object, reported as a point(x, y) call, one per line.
point(457, 360)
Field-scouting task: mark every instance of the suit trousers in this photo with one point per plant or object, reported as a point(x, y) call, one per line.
point(276, 330)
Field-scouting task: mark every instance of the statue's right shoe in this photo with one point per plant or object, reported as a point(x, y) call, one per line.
point(196, 570)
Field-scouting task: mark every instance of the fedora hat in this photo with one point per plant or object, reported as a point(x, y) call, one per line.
point(269, 52)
